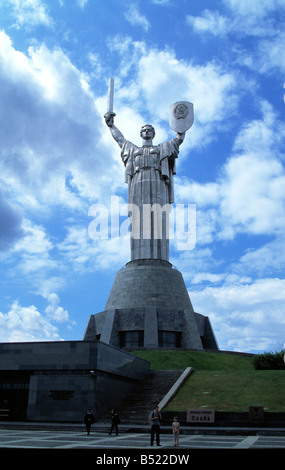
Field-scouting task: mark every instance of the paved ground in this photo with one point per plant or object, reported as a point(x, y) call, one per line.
point(98, 439)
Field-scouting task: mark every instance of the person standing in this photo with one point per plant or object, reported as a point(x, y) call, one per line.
point(176, 430)
point(88, 420)
point(115, 420)
point(156, 419)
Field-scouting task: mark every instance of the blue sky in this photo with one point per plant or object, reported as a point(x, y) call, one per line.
point(57, 157)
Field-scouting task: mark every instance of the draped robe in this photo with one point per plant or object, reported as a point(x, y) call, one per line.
point(149, 174)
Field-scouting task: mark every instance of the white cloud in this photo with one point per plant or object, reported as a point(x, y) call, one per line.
point(26, 324)
point(254, 19)
point(33, 249)
point(191, 191)
point(267, 260)
point(57, 153)
point(86, 254)
point(254, 10)
point(29, 12)
point(54, 311)
point(211, 22)
point(262, 135)
point(248, 196)
point(135, 18)
point(268, 57)
point(247, 316)
point(82, 3)
point(34, 239)
point(253, 181)
point(239, 17)
point(253, 195)
point(209, 87)
point(192, 262)
point(209, 277)
point(151, 75)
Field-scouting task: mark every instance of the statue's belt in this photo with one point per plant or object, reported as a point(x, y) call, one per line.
point(146, 167)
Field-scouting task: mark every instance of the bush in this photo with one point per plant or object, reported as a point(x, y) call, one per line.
point(269, 360)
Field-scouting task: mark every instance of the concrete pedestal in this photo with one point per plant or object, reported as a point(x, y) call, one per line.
point(149, 307)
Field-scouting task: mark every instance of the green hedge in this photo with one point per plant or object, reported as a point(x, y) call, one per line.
point(269, 360)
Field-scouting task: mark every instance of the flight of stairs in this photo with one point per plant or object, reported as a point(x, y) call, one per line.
point(136, 406)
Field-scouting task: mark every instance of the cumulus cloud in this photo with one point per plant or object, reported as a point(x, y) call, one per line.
point(50, 129)
point(245, 316)
point(33, 249)
point(248, 196)
point(253, 195)
point(151, 75)
point(209, 87)
point(85, 254)
point(26, 324)
point(54, 311)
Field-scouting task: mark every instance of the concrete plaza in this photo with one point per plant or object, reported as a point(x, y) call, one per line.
point(75, 437)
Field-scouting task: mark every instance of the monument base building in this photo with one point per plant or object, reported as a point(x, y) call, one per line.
point(58, 381)
point(149, 307)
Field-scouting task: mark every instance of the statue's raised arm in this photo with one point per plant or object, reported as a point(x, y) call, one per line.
point(117, 135)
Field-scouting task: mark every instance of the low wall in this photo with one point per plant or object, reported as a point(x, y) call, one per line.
point(228, 419)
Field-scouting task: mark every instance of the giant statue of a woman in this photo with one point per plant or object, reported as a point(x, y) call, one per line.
point(149, 171)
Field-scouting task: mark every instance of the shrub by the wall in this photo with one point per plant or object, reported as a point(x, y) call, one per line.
point(269, 360)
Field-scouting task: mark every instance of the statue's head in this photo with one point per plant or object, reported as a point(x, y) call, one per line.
point(147, 132)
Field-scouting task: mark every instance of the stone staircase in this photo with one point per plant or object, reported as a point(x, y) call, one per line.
point(137, 404)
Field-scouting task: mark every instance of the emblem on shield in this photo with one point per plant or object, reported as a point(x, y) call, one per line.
point(181, 116)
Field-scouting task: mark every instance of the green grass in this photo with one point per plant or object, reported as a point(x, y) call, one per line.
point(231, 391)
point(225, 382)
point(201, 360)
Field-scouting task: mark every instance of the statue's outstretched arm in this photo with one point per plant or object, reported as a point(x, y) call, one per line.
point(116, 134)
point(180, 137)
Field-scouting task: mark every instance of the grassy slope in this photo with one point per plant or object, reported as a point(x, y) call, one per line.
point(225, 382)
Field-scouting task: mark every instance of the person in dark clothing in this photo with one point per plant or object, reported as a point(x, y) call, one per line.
point(155, 427)
point(88, 420)
point(115, 420)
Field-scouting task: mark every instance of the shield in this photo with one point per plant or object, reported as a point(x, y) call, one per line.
point(181, 116)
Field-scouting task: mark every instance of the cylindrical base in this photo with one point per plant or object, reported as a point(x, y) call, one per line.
point(148, 283)
point(149, 307)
